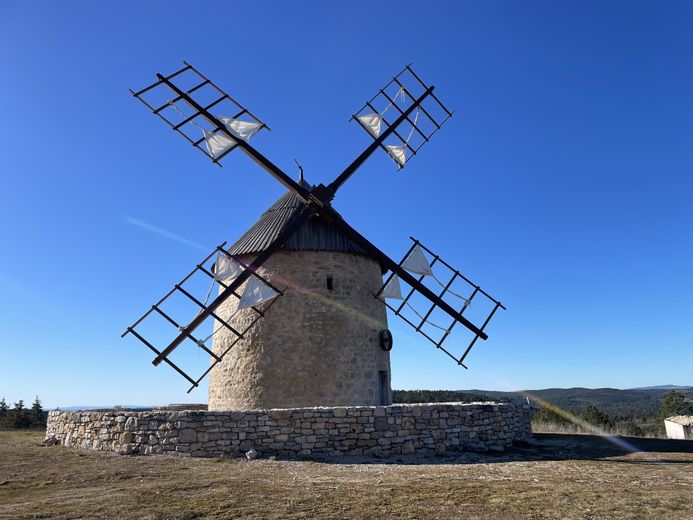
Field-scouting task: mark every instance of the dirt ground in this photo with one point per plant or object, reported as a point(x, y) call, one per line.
point(557, 476)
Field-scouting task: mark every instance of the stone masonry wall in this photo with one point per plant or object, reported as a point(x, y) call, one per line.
point(315, 346)
point(361, 430)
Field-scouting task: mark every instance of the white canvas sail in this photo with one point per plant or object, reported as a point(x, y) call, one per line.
point(392, 289)
point(372, 123)
point(398, 154)
point(239, 128)
point(226, 268)
point(256, 292)
point(417, 263)
point(217, 143)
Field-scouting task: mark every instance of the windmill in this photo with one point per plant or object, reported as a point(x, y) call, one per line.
point(256, 366)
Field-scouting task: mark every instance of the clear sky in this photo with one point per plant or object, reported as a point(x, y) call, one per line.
point(562, 185)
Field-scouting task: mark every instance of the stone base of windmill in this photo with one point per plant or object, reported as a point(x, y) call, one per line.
point(378, 431)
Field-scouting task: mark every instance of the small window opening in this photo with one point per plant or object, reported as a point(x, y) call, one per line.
point(330, 283)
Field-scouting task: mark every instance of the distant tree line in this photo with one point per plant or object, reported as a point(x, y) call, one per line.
point(437, 396)
point(21, 417)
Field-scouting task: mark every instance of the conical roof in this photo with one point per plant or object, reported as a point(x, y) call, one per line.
point(314, 235)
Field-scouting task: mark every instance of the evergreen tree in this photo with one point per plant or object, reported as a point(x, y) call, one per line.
point(674, 403)
point(38, 418)
point(4, 414)
point(20, 416)
point(596, 417)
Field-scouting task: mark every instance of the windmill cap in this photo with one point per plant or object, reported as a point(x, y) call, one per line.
point(314, 235)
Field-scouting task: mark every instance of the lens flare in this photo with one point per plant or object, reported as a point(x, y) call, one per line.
point(164, 233)
point(349, 309)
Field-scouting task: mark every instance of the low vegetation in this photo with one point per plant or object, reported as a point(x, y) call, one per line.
point(569, 477)
point(551, 419)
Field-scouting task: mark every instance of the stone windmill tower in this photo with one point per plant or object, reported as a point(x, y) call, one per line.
point(324, 343)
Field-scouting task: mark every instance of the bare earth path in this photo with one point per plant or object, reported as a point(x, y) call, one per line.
point(560, 476)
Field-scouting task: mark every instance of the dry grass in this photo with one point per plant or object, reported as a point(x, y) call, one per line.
point(559, 477)
point(650, 431)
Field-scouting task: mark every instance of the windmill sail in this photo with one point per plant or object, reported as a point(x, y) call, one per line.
point(226, 268)
point(372, 123)
point(417, 109)
point(392, 289)
point(398, 154)
point(255, 293)
point(241, 129)
point(217, 143)
point(224, 271)
point(417, 263)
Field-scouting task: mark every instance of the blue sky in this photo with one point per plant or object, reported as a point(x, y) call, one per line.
point(562, 185)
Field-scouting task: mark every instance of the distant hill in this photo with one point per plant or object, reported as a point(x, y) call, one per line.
point(663, 387)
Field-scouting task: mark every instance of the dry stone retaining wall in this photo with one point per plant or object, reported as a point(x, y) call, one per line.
point(361, 430)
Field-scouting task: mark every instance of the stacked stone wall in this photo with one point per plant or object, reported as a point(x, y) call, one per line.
point(339, 431)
